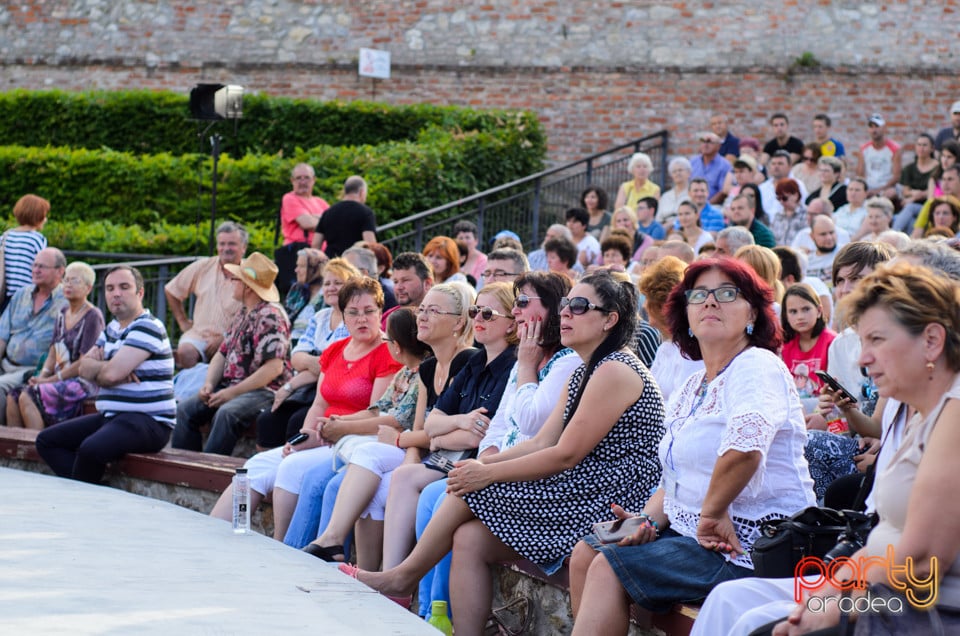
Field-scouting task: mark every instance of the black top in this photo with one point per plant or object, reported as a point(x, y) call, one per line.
point(478, 384)
point(428, 368)
point(838, 195)
point(793, 145)
point(343, 224)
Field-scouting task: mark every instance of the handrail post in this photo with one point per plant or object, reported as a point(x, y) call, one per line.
point(589, 173)
point(536, 212)
point(664, 146)
point(418, 237)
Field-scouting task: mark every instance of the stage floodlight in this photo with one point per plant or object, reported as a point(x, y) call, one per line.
point(216, 101)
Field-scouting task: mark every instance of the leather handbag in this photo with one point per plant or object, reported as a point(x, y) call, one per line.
point(783, 542)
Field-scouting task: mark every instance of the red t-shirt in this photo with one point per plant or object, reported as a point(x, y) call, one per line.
point(803, 364)
point(292, 207)
point(347, 385)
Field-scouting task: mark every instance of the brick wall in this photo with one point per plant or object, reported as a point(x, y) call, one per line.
point(596, 73)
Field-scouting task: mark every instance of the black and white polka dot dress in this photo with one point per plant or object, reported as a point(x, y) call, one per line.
point(543, 519)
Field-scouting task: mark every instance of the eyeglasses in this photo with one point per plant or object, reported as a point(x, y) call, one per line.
point(579, 305)
point(433, 311)
point(356, 313)
point(497, 273)
point(487, 313)
point(523, 300)
point(722, 294)
point(42, 266)
point(73, 280)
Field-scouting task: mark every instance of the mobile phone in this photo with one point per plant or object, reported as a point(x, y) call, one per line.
point(832, 382)
point(613, 531)
point(298, 438)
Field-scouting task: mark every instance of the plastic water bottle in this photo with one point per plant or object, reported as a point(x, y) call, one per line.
point(241, 502)
point(439, 619)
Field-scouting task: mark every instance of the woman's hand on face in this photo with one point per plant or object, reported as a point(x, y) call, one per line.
point(468, 475)
point(530, 352)
point(388, 435)
point(718, 534)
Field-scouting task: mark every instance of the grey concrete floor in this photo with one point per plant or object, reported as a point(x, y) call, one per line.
point(81, 559)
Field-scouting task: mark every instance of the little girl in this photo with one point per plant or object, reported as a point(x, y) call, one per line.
point(806, 338)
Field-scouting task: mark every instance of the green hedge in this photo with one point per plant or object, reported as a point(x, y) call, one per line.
point(154, 122)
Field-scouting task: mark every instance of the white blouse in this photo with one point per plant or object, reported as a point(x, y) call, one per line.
point(752, 405)
point(670, 369)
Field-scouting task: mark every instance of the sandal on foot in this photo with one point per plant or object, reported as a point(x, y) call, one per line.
point(352, 571)
point(326, 553)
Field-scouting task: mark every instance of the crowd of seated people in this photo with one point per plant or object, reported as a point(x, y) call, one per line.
point(658, 351)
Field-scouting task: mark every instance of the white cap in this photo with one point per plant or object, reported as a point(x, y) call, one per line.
point(956, 107)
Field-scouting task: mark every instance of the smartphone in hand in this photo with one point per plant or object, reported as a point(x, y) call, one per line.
point(832, 382)
point(299, 438)
point(613, 531)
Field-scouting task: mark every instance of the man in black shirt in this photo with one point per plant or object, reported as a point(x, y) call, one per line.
point(782, 140)
point(347, 221)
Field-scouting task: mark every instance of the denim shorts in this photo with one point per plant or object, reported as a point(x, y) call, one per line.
point(673, 569)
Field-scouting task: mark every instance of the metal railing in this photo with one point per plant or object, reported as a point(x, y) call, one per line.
point(530, 205)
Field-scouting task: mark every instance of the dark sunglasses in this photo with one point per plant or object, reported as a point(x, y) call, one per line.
point(579, 305)
point(487, 313)
point(523, 300)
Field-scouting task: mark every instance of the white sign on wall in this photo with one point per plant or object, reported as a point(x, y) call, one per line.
point(375, 63)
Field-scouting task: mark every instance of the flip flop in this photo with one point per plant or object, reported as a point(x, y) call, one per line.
point(326, 553)
point(352, 571)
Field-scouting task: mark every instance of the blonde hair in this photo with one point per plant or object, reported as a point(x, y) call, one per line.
point(342, 269)
point(504, 294)
point(766, 264)
point(461, 295)
point(83, 271)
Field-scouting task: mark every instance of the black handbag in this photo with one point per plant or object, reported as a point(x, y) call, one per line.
point(813, 531)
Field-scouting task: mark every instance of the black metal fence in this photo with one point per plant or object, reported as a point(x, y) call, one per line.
point(530, 205)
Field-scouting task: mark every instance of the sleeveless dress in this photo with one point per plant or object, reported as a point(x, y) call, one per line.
point(543, 519)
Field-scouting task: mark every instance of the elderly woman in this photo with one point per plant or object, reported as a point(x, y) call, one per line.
point(444, 257)
point(670, 367)
point(306, 293)
point(325, 327)
point(21, 244)
point(731, 458)
point(354, 373)
point(879, 216)
point(630, 192)
point(679, 170)
point(907, 320)
point(57, 391)
point(831, 185)
point(535, 499)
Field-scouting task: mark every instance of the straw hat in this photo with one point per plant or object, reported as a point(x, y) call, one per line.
point(258, 273)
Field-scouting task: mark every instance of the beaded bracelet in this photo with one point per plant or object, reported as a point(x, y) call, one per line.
point(650, 522)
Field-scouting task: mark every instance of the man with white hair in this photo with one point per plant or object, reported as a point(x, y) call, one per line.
point(732, 238)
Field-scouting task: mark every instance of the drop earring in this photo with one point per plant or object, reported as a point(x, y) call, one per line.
point(690, 332)
point(930, 367)
point(749, 328)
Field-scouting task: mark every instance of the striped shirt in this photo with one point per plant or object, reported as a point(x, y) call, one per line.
point(153, 394)
point(19, 250)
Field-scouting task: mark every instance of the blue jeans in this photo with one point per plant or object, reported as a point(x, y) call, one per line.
point(314, 508)
point(435, 585)
point(229, 422)
point(673, 569)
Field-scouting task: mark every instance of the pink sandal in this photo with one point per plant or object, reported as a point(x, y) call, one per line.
point(352, 571)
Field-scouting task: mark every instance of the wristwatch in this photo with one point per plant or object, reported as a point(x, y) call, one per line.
point(286, 387)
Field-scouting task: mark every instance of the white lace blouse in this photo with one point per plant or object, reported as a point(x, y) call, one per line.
point(752, 405)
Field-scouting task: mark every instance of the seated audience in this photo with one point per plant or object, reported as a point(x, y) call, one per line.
point(306, 294)
point(57, 391)
point(944, 213)
point(647, 223)
point(476, 262)
point(504, 265)
point(792, 216)
point(639, 187)
point(354, 373)
point(806, 171)
point(292, 400)
point(132, 363)
point(535, 499)
point(730, 239)
point(251, 364)
point(27, 324)
point(793, 265)
point(365, 260)
point(851, 216)
point(878, 218)
point(679, 171)
point(595, 201)
point(831, 183)
point(215, 306)
point(731, 459)
point(561, 257)
point(690, 229)
point(588, 248)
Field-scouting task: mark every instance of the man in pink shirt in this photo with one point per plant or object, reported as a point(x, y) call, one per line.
point(300, 210)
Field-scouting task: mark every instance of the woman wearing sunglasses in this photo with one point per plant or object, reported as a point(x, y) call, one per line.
point(732, 458)
point(534, 386)
point(535, 499)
